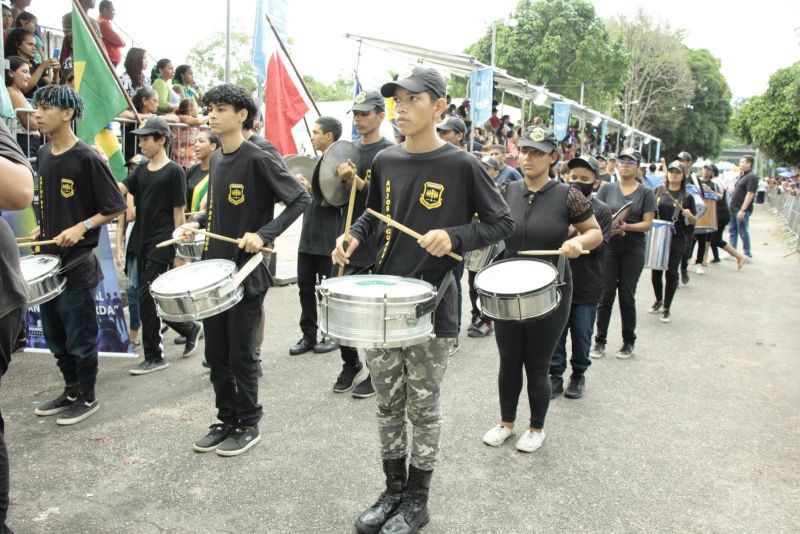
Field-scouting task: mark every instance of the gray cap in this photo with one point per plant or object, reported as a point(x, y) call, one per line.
point(540, 138)
point(684, 156)
point(491, 162)
point(587, 162)
point(677, 165)
point(612, 155)
point(418, 80)
point(631, 152)
point(367, 101)
point(154, 125)
point(454, 124)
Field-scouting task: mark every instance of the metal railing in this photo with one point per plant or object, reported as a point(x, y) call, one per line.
point(786, 207)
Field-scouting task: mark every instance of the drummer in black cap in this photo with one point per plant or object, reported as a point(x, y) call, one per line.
point(434, 188)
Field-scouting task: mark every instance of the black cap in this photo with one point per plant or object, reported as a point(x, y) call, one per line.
point(677, 165)
point(453, 124)
point(600, 156)
point(631, 152)
point(417, 80)
point(367, 101)
point(684, 156)
point(587, 162)
point(540, 138)
point(154, 125)
point(491, 162)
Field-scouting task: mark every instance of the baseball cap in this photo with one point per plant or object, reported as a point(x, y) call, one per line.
point(600, 156)
point(631, 152)
point(417, 80)
point(676, 165)
point(491, 162)
point(154, 125)
point(684, 156)
point(136, 160)
point(612, 155)
point(587, 162)
point(454, 124)
point(540, 138)
point(367, 101)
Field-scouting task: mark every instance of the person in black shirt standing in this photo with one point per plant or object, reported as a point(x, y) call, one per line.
point(246, 183)
point(543, 210)
point(77, 195)
point(369, 110)
point(434, 188)
point(667, 201)
point(742, 205)
point(159, 190)
point(587, 280)
point(317, 237)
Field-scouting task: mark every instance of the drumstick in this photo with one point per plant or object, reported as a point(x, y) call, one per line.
point(348, 220)
point(221, 237)
point(406, 230)
point(24, 238)
point(546, 252)
point(169, 242)
point(37, 243)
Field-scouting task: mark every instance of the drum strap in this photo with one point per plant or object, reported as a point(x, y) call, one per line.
point(75, 262)
point(430, 306)
point(241, 274)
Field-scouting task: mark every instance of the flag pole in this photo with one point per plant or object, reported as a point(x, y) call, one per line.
point(103, 53)
point(286, 53)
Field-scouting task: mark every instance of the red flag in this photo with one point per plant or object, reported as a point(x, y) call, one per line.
point(284, 106)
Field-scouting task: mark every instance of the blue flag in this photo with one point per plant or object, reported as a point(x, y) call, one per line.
point(354, 134)
point(481, 91)
point(560, 119)
point(261, 50)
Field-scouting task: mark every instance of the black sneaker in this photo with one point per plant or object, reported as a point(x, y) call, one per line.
point(655, 308)
point(685, 277)
point(556, 386)
point(575, 388)
point(325, 346)
point(216, 435)
point(715, 260)
point(482, 330)
point(239, 441)
point(149, 366)
point(665, 316)
point(364, 390)
point(180, 340)
point(205, 364)
point(625, 352)
point(598, 351)
point(191, 341)
point(347, 378)
point(80, 410)
point(60, 404)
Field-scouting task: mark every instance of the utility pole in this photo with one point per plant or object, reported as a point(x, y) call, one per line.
point(228, 43)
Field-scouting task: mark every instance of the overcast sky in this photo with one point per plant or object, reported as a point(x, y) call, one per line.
point(751, 43)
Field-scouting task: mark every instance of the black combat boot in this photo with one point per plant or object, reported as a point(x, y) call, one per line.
point(412, 514)
point(372, 519)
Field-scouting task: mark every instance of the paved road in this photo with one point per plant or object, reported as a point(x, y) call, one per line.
point(697, 433)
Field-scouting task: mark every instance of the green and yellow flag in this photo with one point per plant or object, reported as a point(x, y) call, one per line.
point(102, 96)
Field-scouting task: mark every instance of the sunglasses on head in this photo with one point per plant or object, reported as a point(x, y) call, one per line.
point(627, 161)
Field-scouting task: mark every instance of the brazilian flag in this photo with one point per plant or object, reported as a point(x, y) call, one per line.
point(102, 96)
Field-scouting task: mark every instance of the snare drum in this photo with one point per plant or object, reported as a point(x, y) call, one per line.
point(658, 241)
point(191, 251)
point(376, 311)
point(45, 282)
point(475, 260)
point(518, 289)
point(707, 222)
point(196, 290)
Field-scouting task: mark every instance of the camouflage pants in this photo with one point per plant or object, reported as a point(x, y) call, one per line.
point(408, 381)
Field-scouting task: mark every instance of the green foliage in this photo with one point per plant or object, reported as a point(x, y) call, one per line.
point(561, 44)
point(207, 59)
point(342, 89)
point(772, 121)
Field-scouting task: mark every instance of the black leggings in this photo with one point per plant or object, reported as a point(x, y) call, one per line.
point(702, 239)
point(717, 242)
point(671, 274)
point(529, 345)
point(623, 265)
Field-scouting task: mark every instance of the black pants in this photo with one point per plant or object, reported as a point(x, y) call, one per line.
point(235, 368)
point(702, 239)
point(311, 269)
point(624, 264)
point(688, 250)
point(671, 274)
point(529, 345)
point(148, 271)
point(10, 326)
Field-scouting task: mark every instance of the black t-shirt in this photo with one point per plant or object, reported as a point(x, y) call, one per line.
point(13, 288)
point(73, 187)
point(155, 194)
point(366, 253)
point(260, 142)
point(441, 189)
point(244, 187)
point(643, 202)
point(588, 272)
point(746, 183)
point(194, 175)
point(320, 229)
point(667, 211)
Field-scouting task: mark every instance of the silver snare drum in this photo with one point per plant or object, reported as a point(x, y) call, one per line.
point(196, 290)
point(45, 282)
point(658, 241)
point(376, 311)
point(191, 250)
point(477, 259)
point(518, 289)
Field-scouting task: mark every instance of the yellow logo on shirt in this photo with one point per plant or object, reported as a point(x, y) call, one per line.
point(432, 195)
point(236, 194)
point(67, 188)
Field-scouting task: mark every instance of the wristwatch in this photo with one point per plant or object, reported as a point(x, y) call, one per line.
point(88, 224)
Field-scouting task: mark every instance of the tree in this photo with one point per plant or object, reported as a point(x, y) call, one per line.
point(560, 44)
point(772, 121)
point(341, 89)
point(207, 59)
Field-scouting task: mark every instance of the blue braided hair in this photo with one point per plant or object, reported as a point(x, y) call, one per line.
point(60, 96)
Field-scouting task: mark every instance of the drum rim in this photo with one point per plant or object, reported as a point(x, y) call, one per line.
point(327, 291)
point(53, 272)
point(208, 287)
point(526, 293)
point(546, 313)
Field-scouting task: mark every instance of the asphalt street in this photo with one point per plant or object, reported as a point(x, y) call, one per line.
point(698, 432)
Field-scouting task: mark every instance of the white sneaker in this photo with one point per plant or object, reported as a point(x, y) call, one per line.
point(497, 435)
point(530, 441)
point(699, 270)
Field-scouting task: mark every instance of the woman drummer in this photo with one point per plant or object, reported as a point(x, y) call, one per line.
point(543, 210)
point(625, 252)
point(676, 205)
point(710, 185)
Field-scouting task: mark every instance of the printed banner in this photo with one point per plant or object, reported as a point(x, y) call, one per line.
point(560, 119)
point(603, 133)
point(112, 328)
point(481, 92)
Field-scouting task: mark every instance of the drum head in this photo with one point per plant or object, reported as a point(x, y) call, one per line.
point(193, 277)
point(516, 276)
point(369, 287)
point(621, 215)
point(39, 265)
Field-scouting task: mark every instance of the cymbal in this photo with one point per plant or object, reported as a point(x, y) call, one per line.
point(330, 187)
point(301, 164)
